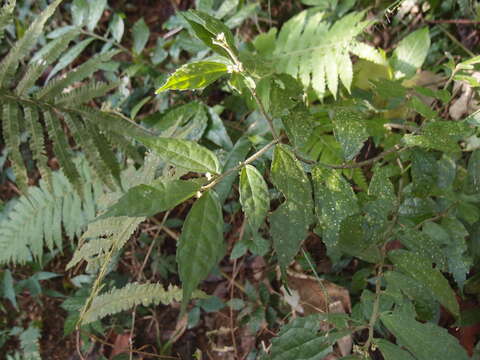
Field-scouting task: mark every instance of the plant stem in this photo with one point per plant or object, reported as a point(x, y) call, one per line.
point(393, 149)
point(241, 69)
point(242, 164)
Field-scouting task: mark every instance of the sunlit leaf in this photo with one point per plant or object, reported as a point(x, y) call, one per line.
point(194, 76)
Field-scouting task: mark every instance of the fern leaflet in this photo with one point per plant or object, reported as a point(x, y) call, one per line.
point(318, 54)
point(37, 218)
point(118, 300)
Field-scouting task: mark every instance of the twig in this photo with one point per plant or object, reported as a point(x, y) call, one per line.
point(396, 148)
point(242, 164)
point(220, 40)
point(454, 39)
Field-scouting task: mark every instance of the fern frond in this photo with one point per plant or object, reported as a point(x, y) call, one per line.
point(110, 235)
point(61, 148)
point(110, 122)
point(11, 135)
point(84, 94)
point(6, 15)
point(133, 294)
point(47, 55)
point(309, 49)
point(104, 147)
point(30, 343)
point(83, 139)
point(37, 144)
point(9, 64)
point(37, 218)
point(56, 87)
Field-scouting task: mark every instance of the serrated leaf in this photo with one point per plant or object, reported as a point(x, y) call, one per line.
point(350, 131)
point(184, 153)
point(117, 27)
point(425, 303)
point(289, 223)
point(141, 33)
point(207, 29)
point(79, 10)
point(200, 246)
point(432, 279)
point(96, 8)
point(194, 76)
point(254, 196)
point(300, 340)
point(334, 202)
point(353, 239)
point(439, 135)
point(391, 351)
point(410, 53)
point(148, 200)
point(425, 341)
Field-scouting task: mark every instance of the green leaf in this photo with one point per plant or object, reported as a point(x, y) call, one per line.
point(11, 135)
point(391, 351)
point(216, 132)
point(194, 76)
point(334, 202)
point(439, 135)
point(289, 223)
point(148, 200)
point(299, 340)
point(117, 27)
point(183, 153)
point(425, 303)
point(69, 57)
point(207, 29)
point(8, 288)
point(473, 174)
point(237, 154)
point(141, 33)
point(96, 8)
point(353, 239)
point(425, 341)
point(421, 270)
point(79, 10)
point(254, 196)
point(410, 53)
point(350, 131)
point(200, 246)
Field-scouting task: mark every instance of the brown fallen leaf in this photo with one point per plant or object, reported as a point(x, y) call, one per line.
point(120, 345)
point(314, 296)
point(310, 296)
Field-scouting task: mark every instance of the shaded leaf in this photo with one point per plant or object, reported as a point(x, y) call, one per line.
point(421, 270)
point(148, 200)
point(200, 246)
point(141, 33)
point(350, 132)
point(425, 341)
point(391, 351)
point(254, 196)
point(183, 153)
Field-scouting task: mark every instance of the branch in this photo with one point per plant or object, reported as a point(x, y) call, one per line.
point(242, 164)
point(396, 148)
